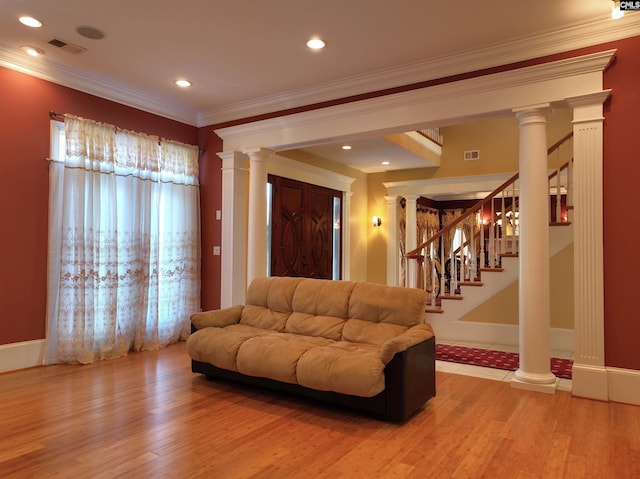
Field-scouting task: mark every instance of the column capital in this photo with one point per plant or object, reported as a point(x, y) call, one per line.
point(532, 113)
point(233, 160)
point(391, 200)
point(596, 98)
point(588, 108)
point(258, 154)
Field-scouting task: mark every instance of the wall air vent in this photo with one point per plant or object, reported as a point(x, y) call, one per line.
point(67, 47)
point(471, 155)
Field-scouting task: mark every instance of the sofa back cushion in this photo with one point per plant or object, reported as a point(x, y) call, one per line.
point(268, 303)
point(378, 312)
point(320, 308)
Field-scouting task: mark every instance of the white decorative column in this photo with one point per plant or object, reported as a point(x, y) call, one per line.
point(589, 376)
point(534, 372)
point(346, 235)
point(393, 255)
point(411, 237)
point(233, 280)
point(257, 237)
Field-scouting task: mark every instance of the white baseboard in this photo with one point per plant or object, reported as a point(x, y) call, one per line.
point(624, 385)
point(606, 384)
point(25, 354)
point(492, 333)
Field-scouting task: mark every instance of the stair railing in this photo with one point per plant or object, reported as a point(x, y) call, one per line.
point(492, 232)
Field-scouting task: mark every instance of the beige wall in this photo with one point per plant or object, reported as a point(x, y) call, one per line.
point(503, 307)
point(497, 140)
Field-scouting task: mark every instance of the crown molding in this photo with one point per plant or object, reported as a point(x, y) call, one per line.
point(526, 48)
point(96, 85)
point(302, 129)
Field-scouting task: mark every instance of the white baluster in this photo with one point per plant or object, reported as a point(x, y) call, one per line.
point(558, 197)
point(481, 222)
point(492, 249)
point(514, 212)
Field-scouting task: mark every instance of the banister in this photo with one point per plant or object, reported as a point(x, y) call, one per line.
point(464, 216)
point(480, 204)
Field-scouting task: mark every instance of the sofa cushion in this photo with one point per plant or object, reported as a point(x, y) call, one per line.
point(361, 331)
point(275, 293)
point(321, 297)
point(343, 367)
point(264, 318)
point(219, 346)
point(387, 304)
point(328, 327)
point(268, 302)
point(276, 355)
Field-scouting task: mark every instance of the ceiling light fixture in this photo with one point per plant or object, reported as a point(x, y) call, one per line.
point(183, 83)
point(316, 44)
point(33, 51)
point(346, 147)
point(30, 22)
point(615, 10)
point(385, 163)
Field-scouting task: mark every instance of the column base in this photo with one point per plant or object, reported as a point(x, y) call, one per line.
point(544, 383)
point(539, 388)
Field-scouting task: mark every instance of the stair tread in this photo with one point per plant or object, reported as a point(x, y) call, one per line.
point(429, 309)
point(470, 283)
point(451, 296)
point(492, 270)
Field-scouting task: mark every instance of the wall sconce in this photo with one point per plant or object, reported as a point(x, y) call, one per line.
point(377, 221)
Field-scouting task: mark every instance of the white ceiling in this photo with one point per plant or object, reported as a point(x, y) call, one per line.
point(247, 57)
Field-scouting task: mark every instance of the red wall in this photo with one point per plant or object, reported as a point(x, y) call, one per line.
point(24, 143)
point(621, 177)
point(210, 201)
point(24, 175)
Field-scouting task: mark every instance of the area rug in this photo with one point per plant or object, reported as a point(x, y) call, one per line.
point(490, 358)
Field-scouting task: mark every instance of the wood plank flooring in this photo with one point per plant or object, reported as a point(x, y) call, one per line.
point(148, 416)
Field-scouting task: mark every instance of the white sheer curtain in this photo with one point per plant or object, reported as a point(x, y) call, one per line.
point(124, 253)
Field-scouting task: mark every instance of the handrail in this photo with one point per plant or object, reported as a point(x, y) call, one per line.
point(464, 216)
point(415, 253)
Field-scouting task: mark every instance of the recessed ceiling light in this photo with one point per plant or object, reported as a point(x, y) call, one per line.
point(346, 147)
point(183, 83)
point(385, 163)
point(33, 51)
point(316, 44)
point(30, 22)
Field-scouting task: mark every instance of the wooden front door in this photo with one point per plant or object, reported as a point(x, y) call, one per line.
point(302, 229)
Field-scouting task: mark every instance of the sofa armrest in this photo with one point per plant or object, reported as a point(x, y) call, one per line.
point(218, 318)
point(410, 337)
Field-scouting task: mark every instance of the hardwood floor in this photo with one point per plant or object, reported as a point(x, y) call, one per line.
point(148, 416)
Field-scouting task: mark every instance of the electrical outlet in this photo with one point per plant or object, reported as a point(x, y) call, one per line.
point(216, 251)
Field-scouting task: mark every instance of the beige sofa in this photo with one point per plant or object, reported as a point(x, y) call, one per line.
point(355, 344)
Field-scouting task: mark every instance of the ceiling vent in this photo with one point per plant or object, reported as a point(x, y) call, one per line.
point(67, 47)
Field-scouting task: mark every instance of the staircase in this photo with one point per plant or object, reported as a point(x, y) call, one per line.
point(487, 258)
